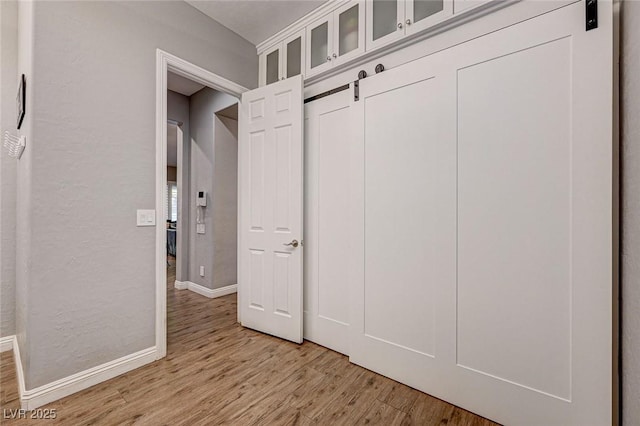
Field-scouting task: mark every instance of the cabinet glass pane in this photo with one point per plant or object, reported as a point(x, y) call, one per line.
point(385, 15)
point(425, 8)
point(294, 53)
point(348, 30)
point(272, 66)
point(319, 41)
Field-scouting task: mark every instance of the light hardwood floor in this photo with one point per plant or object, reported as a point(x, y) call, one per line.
point(217, 372)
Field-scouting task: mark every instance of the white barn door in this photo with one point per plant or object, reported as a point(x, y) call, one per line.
point(328, 140)
point(483, 230)
point(270, 156)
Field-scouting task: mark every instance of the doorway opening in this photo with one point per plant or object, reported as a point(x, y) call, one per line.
point(201, 214)
point(196, 189)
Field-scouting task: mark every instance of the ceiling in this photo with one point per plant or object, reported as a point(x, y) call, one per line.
point(179, 84)
point(255, 20)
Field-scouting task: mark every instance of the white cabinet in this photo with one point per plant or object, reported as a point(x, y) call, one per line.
point(343, 30)
point(390, 20)
point(283, 60)
point(335, 38)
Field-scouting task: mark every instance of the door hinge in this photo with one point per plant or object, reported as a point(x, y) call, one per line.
point(356, 91)
point(591, 14)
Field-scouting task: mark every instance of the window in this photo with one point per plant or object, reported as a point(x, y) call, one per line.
point(172, 201)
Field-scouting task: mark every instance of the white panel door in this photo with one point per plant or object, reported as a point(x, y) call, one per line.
point(328, 141)
point(270, 185)
point(483, 222)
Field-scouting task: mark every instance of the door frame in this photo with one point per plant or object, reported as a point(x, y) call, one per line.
point(166, 62)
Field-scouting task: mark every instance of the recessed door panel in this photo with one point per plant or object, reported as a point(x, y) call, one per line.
point(284, 174)
point(256, 170)
point(401, 216)
point(283, 290)
point(514, 222)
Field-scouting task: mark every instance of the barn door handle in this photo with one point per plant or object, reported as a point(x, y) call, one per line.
point(293, 243)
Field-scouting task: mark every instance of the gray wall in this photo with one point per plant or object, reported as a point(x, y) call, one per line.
point(225, 202)
point(89, 290)
point(204, 104)
point(8, 165)
point(630, 262)
point(24, 205)
point(178, 110)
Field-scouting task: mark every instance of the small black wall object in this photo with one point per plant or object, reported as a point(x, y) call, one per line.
point(379, 68)
point(20, 100)
point(362, 74)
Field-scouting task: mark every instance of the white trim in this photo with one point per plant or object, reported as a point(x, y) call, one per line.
point(208, 292)
point(6, 343)
point(181, 285)
point(167, 62)
point(17, 359)
point(34, 398)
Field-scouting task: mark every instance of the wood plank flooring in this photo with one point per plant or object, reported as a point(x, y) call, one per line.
point(217, 372)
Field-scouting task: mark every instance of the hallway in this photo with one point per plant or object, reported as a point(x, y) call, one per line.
point(217, 372)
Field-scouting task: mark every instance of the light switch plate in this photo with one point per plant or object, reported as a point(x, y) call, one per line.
point(202, 271)
point(146, 218)
point(200, 228)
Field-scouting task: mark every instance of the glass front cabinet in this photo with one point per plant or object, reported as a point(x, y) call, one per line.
point(336, 38)
point(390, 20)
point(350, 29)
point(284, 60)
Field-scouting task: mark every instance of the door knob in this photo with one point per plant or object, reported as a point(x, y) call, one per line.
point(293, 243)
point(399, 25)
point(328, 58)
point(408, 22)
point(335, 56)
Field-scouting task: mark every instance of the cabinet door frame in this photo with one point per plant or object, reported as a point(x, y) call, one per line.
point(413, 27)
point(329, 62)
point(399, 33)
point(303, 51)
point(266, 53)
point(340, 59)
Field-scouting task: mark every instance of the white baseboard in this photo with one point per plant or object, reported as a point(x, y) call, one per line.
point(34, 398)
point(208, 292)
point(17, 359)
point(181, 285)
point(6, 343)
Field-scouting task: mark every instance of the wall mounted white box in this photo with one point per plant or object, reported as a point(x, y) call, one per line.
point(146, 218)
